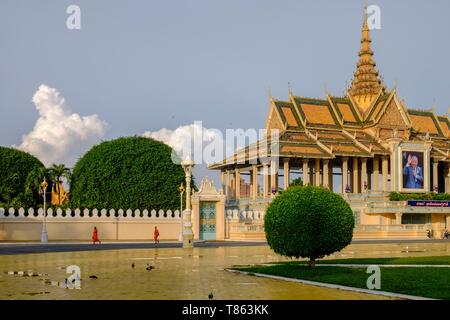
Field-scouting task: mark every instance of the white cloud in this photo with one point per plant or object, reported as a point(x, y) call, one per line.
point(201, 144)
point(60, 136)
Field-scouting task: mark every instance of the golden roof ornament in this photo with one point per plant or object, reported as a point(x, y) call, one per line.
point(366, 81)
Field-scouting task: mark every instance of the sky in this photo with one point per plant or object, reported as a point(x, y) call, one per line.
point(140, 67)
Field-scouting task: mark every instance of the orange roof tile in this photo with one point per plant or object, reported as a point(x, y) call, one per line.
point(345, 148)
point(319, 114)
point(424, 123)
point(301, 149)
point(289, 115)
point(445, 127)
point(346, 112)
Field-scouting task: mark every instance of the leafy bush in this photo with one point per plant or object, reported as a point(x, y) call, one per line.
point(308, 222)
point(396, 196)
point(133, 172)
point(296, 183)
point(441, 196)
point(15, 166)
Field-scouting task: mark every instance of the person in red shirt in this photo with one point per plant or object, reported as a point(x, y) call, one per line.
point(156, 235)
point(95, 236)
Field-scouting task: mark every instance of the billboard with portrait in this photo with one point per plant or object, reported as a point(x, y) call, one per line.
point(413, 170)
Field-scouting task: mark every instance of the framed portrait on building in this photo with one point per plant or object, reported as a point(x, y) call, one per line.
point(413, 171)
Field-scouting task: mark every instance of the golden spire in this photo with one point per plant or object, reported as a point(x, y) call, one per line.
point(366, 81)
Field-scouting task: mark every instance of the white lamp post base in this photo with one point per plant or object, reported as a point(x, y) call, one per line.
point(188, 235)
point(44, 236)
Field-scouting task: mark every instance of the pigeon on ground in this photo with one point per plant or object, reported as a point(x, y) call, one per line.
point(132, 265)
point(149, 267)
point(210, 296)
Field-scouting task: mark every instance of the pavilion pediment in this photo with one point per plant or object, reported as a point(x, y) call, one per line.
point(426, 122)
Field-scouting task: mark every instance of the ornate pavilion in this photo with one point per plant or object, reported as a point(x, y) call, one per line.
point(355, 145)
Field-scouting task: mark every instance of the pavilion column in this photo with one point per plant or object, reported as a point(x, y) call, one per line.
point(250, 190)
point(384, 169)
point(330, 175)
point(325, 174)
point(364, 183)
point(435, 176)
point(355, 176)
point(305, 172)
point(286, 174)
point(255, 181)
point(265, 180)
point(229, 185)
point(398, 218)
point(447, 180)
point(223, 182)
point(238, 184)
point(344, 174)
point(317, 173)
point(273, 177)
point(376, 173)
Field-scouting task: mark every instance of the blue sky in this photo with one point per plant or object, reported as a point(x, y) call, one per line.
point(145, 65)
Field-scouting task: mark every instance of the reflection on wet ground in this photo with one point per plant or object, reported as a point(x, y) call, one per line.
point(177, 273)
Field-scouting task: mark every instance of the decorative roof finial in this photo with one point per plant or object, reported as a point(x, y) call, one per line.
point(434, 106)
point(289, 88)
point(366, 79)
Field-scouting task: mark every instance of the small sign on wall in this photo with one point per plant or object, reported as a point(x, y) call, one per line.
point(428, 203)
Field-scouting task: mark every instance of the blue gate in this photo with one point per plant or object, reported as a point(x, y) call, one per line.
point(207, 221)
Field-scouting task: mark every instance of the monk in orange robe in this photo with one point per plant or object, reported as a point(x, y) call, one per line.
point(156, 235)
point(95, 236)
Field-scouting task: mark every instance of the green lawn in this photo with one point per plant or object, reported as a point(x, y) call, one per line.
point(425, 282)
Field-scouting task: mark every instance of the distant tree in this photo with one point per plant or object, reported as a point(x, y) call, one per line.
point(57, 172)
point(15, 166)
point(35, 178)
point(308, 222)
point(131, 172)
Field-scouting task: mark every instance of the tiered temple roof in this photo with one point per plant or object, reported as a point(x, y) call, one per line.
point(357, 125)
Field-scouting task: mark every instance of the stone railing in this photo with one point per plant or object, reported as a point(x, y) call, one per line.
point(244, 225)
point(395, 227)
point(88, 213)
point(77, 224)
point(243, 216)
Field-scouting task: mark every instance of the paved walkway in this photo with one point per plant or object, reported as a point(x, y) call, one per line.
point(33, 247)
point(177, 274)
point(37, 247)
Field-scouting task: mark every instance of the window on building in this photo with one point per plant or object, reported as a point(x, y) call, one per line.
point(417, 218)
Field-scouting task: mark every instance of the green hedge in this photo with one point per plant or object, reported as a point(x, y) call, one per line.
point(133, 172)
point(308, 222)
point(395, 196)
point(15, 165)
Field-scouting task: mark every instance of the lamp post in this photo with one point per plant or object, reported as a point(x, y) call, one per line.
point(44, 235)
point(180, 238)
point(188, 235)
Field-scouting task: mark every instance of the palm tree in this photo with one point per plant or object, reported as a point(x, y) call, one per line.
point(58, 171)
point(34, 179)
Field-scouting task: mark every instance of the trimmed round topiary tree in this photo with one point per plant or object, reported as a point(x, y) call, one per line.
point(132, 172)
point(308, 222)
point(15, 166)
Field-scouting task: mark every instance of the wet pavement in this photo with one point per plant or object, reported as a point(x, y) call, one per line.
point(178, 273)
point(36, 247)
